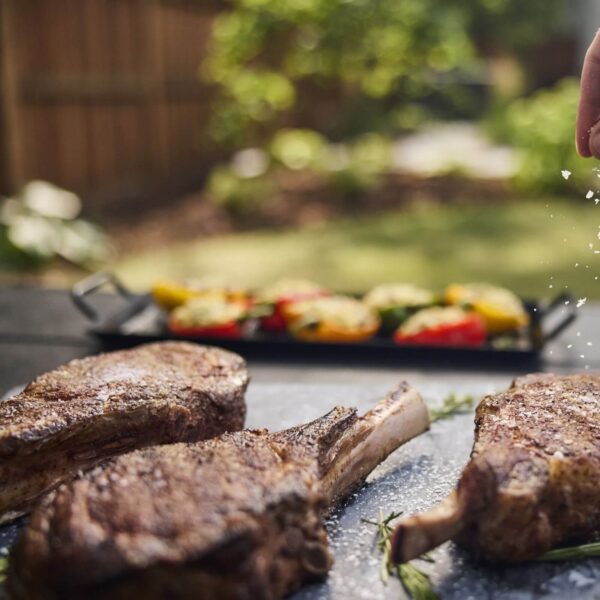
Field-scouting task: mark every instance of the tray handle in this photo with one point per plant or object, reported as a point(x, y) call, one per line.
point(91, 284)
point(562, 300)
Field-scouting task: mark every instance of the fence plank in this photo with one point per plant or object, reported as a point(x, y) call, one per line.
point(11, 115)
point(104, 96)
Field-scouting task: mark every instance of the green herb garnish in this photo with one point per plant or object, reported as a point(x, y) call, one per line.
point(573, 552)
point(453, 405)
point(415, 582)
point(3, 569)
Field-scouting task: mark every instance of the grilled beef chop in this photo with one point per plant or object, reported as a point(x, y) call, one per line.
point(236, 517)
point(533, 479)
point(97, 407)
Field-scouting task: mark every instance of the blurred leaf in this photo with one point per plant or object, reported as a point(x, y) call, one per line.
point(50, 201)
point(542, 127)
point(298, 148)
point(39, 225)
point(263, 52)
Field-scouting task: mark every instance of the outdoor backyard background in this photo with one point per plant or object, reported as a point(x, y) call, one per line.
point(348, 141)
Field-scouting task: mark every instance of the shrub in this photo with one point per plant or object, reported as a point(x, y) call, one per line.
point(542, 127)
point(387, 51)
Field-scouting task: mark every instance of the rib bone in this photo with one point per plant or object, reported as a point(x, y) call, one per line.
point(239, 516)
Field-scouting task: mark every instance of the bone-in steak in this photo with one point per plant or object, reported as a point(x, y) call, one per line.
point(97, 407)
point(236, 517)
point(533, 479)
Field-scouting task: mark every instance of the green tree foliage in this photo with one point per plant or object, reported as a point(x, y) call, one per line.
point(263, 50)
point(542, 127)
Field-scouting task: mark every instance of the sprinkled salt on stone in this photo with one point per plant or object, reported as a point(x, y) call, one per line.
point(566, 174)
point(581, 302)
point(579, 579)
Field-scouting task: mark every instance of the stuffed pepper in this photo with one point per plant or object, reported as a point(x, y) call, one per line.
point(395, 302)
point(442, 326)
point(273, 299)
point(171, 294)
point(332, 319)
point(209, 317)
point(502, 311)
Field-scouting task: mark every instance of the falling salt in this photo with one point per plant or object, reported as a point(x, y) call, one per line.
point(589, 195)
point(589, 344)
point(566, 174)
point(570, 346)
point(581, 302)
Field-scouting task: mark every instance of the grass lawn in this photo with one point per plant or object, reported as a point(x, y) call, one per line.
point(537, 248)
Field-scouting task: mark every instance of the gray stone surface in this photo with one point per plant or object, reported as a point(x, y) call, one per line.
point(40, 330)
point(413, 478)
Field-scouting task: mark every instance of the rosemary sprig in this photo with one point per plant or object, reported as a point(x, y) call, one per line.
point(572, 552)
point(3, 569)
point(453, 405)
point(415, 582)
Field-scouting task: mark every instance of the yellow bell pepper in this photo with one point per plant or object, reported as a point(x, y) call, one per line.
point(501, 310)
point(328, 332)
point(171, 294)
point(332, 319)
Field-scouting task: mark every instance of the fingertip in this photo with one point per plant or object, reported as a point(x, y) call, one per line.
point(594, 141)
point(583, 148)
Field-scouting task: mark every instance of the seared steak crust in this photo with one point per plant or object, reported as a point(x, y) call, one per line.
point(533, 479)
point(100, 406)
point(231, 506)
point(235, 517)
point(534, 476)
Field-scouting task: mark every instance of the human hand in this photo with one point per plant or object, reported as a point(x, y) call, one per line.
point(588, 114)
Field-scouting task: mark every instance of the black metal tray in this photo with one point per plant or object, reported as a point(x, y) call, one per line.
point(140, 320)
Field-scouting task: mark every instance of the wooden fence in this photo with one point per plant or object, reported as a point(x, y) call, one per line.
point(103, 96)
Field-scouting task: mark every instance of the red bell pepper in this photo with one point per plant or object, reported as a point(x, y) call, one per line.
point(232, 329)
point(469, 331)
point(276, 322)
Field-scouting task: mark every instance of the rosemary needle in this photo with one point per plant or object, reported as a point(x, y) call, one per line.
point(583, 551)
point(453, 405)
point(415, 582)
